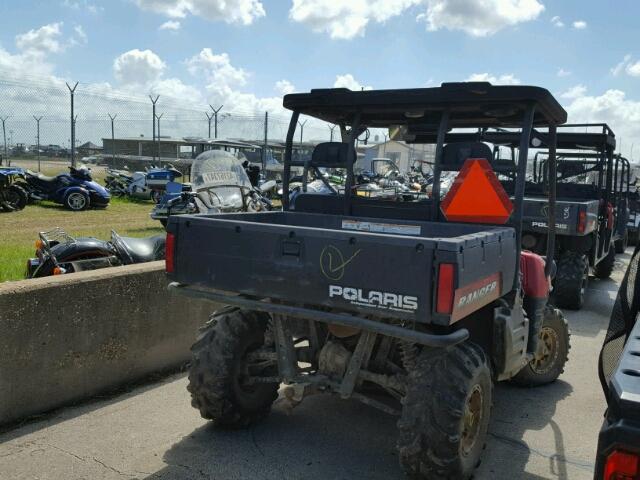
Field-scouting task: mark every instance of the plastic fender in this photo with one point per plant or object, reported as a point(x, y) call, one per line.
point(534, 282)
point(95, 187)
point(63, 192)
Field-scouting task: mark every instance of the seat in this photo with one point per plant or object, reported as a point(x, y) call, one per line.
point(144, 249)
point(44, 178)
point(456, 153)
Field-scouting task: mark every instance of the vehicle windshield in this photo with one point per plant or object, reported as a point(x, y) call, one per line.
point(220, 179)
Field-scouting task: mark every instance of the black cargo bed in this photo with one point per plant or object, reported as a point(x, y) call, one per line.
point(306, 259)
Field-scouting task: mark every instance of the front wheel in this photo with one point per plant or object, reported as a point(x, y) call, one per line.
point(445, 414)
point(15, 198)
point(604, 269)
point(76, 201)
point(553, 352)
point(572, 279)
point(622, 243)
point(225, 369)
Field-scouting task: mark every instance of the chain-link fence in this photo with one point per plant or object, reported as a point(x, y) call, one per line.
point(36, 120)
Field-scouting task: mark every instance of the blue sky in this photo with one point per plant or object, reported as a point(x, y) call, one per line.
point(254, 44)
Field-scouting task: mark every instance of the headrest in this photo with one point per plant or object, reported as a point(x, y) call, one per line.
point(330, 155)
point(454, 154)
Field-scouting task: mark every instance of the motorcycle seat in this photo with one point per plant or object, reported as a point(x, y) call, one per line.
point(144, 249)
point(44, 178)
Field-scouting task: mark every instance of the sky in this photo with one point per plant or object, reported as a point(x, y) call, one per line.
point(246, 54)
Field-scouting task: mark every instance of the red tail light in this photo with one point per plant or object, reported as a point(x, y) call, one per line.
point(622, 466)
point(444, 302)
point(169, 252)
point(582, 222)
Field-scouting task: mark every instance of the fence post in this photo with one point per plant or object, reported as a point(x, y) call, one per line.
point(4, 134)
point(153, 102)
point(72, 91)
point(266, 145)
point(209, 118)
point(158, 117)
point(37, 119)
point(215, 116)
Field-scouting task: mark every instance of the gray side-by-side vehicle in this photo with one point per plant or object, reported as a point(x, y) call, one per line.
point(414, 307)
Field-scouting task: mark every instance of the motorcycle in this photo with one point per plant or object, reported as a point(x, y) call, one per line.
point(75, 190)
point(12, 196)
point(149, 184)
point(220, 185)
point(58, 253)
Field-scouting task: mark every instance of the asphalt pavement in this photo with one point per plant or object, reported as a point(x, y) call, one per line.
point(153, 433)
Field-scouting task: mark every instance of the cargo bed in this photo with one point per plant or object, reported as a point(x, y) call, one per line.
point(372, 267)
point(568, 214)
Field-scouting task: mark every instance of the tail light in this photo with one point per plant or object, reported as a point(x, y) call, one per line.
point(582, 221)
point(169, 252)
point(444, 299)
point(622, 466)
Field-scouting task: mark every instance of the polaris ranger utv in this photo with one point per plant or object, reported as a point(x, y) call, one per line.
point(412, 307)
point(587, 211)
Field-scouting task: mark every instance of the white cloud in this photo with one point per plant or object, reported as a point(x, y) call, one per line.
point(244, 12)
point(633, 69)
point(216, 69)
point(170, 25)
point(479, 18)
point(507, 79)
point(80, 36)
point(619, 68)
point(284, 87)
point(579, 24)
point(576, 91)
point(347, 81)
point(83, 5)
point(613, 108)
point(345, 20)
point(45, 39)
point(557, 22)
point(140, 67)
point(563, 73)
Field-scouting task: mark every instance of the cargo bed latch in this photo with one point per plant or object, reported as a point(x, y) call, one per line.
point(291, 249)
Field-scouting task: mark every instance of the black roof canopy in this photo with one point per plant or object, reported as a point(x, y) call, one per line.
point(471, 104)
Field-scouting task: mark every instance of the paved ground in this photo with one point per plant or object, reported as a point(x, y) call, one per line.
point(153, 433)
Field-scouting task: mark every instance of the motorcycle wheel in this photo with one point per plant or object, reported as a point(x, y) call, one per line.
point(155, 196)
point(76, 201)
point(16, 198)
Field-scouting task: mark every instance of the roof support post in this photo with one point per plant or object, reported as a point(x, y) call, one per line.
point(551, 220)
point(351, 160)
point(288, 151)
point(435, 192)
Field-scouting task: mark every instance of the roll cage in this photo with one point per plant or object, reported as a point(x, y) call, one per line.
point(427, 115)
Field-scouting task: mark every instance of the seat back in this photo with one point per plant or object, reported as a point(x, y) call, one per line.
point(456, 153)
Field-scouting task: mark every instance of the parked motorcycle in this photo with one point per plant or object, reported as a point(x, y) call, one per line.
point(220, 185)
point(150, 184)
point(75, 190)
point(13, 197)
point(58, 253)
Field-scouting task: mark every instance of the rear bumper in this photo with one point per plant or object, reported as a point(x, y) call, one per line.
point(428, 339)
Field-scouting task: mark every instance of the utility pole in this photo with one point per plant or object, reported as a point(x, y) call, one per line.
point(159, 117)
point(209, 118)
point(72, 91)
point(332, 128)
point(266, 144)
point(113, 139)
point(153, 118)
point(215, 116)
point(301, 130)
point(37, 119)
point(4, 134)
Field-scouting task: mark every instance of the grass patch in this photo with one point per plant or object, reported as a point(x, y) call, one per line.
point(19, 230)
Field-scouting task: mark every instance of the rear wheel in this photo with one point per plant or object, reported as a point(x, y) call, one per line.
point(605, 267)
point(445, 413)
point(221, 365)
point(572, 279)
point(76, 201)
point(622, 243)
point(552, 354)
point(632, 237)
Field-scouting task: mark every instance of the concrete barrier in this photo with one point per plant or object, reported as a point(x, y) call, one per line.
point(67, 338)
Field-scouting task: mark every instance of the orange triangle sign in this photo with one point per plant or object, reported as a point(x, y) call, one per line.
point(477, 196)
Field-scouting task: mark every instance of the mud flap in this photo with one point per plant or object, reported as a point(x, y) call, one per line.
point(510, 339)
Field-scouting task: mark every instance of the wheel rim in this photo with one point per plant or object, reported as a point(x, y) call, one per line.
point(546, 358)
point(13, 198)
point(472, 419)
point(76, 201)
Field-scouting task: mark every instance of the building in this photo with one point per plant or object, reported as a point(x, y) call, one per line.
point(88, 149)
point(404, 155)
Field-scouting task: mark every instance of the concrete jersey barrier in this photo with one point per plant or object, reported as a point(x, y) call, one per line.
point(70, 337)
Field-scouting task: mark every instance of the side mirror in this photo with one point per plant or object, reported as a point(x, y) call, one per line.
point(267, 186)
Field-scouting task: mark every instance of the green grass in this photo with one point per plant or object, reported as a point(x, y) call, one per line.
point(19, 230)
